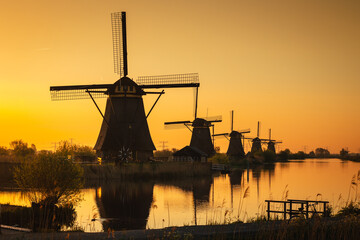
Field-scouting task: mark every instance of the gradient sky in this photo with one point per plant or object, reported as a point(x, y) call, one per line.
point(293, 65)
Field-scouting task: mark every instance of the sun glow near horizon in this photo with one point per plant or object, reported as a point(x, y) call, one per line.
point(292, 66)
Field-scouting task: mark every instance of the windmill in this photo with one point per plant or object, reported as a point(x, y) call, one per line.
point(270, 142)
point(235, 149)
point(200, 128)
point(124, 133)
point(256, 142)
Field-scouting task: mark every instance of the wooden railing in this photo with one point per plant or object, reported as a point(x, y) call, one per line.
point(294, 208)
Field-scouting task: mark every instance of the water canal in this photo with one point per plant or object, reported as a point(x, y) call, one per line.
point(239, 195)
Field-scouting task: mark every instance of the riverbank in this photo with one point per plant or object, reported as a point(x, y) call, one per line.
point(319, 228)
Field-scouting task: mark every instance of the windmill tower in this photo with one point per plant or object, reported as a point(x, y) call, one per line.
point(235, 149)
point(200, 137)
point(271, 142)
point(124, 133)
point(256, 142)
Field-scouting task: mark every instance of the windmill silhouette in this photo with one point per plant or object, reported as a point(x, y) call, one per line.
point(271, 142)
point(236, 141)
point(257, 142)
point(200, 129)
point(124, 133)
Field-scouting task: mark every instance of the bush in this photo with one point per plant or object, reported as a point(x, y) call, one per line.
point(219, 158)
point(21, 150)
point(76, 152)
point(350, 209)
point(50, 179)
point(269, 156)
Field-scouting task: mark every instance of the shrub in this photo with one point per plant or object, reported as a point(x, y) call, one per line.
point(219, 158)
point(50, 179)
point(21, 150)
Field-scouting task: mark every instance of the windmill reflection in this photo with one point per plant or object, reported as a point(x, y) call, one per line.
point(125, 205)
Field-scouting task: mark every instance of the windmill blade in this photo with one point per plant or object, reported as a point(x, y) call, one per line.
point(221, 134)
point(244, 130)
point(214, 118)
point(118, 23)
point(177, 125)
point(196, 96)
point(177, 122)
point(74, 92)
point(169, 81)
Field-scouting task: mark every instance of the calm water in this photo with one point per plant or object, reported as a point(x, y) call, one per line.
point(223, 197)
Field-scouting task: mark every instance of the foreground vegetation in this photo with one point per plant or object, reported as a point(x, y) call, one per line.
point(52, 184)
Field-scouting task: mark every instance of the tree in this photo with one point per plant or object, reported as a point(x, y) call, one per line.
point(21, 150)
point(344, 153)
point(50, 179)
point(321, 152)
point(284, 155)
point(4, 151)
point(76, 152)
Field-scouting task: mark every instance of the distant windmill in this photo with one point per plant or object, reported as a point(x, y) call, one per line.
point(200, 137)
point(236, 148)
point(270, 142)
point(124, 133)
point(256, 142)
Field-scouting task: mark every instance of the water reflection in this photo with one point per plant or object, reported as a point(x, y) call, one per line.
point(239, 195)
point(124, 205)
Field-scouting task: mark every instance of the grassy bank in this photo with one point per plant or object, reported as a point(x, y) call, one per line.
point(131, 171)
point(320, 229)
point(146, 171)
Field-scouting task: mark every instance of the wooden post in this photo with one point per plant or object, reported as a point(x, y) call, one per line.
point(307, 210)
point(290, 208)
point(285, 210)
point(0, 218)
point(268, 210)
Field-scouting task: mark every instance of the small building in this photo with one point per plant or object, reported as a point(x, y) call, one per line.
point(190, 154)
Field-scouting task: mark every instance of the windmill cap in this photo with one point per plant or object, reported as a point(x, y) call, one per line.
point(235, 134)
point(200, 122)
point(127, 85)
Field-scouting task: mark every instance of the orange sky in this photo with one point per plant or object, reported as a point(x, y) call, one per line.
point(293, 65)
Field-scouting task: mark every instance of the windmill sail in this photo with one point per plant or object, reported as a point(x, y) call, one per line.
point(118, 23)
point(169, 81)
point(75, 92)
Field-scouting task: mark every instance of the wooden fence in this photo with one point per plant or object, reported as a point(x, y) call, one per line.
point(293, 208)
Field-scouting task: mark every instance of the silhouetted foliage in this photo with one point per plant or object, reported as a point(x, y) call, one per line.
point(21, 150)
point(322, 153)
point(49, 179)
point(219, 158)
point(269, 156)
point(311, 154)
point(350, 209)
point(76, 152)
point(4, 151)
point(344, 153)
point(284, 155)
point(165, 153)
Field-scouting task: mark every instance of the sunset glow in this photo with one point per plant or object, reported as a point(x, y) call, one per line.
point(293, 65)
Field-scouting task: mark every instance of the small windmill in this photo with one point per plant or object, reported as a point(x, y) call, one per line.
point(200, 128)
point(236, 141)
point(270, 142)
point(124, 133)
point(256, 142)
